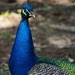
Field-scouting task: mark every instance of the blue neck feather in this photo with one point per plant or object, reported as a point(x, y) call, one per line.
point(22, 55)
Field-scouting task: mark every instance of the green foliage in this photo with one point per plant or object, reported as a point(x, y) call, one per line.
point(19, 10)
point(7, 35)
point(6, 67)
point(5, 14)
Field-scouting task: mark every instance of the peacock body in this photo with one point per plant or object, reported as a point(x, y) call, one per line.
point(23, 58)
point(46, 69)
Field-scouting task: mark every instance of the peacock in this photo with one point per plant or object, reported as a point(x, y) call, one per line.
point(23, 60)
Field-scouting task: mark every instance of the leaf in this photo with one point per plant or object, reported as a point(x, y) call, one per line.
point(6, 67)
point(5, 14)
point(19, 11)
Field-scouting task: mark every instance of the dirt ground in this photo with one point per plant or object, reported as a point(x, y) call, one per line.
point(53, 32)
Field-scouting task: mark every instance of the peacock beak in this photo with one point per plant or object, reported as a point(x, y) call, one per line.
point(32, 14)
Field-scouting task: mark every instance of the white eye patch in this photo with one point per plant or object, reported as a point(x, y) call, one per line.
point(24, 12)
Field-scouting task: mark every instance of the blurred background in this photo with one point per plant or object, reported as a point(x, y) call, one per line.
point(53, 29)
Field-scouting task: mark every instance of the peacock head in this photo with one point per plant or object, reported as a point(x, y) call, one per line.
point(27, 11)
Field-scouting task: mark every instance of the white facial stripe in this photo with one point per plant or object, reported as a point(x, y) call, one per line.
point(23, 12)
point(28, 11)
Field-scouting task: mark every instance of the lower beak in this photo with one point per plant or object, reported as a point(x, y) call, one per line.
point(32, 14)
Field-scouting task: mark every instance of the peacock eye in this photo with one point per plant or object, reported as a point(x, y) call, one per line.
point(24, 11)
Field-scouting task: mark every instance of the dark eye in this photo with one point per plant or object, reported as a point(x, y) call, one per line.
point(24, 10)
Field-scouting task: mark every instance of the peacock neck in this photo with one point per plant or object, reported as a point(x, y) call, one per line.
point(22, 53)
point(24, 37)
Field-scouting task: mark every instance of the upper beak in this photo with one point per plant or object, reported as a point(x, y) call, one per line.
point(32, 14)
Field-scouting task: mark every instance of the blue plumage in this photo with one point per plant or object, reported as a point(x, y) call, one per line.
point(27, 6)
point(22, 56)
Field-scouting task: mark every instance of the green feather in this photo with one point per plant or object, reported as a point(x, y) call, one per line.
point(67, 66)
